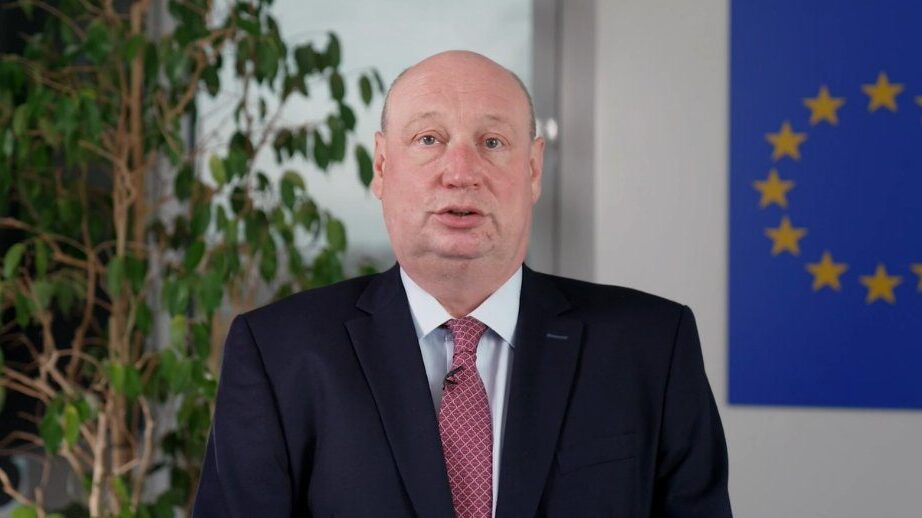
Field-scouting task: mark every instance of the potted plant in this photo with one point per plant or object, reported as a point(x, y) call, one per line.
point(125, 225)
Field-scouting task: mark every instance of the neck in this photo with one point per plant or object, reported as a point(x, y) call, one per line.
point(459, 286)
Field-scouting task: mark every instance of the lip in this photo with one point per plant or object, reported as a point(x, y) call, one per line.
point(447, 216)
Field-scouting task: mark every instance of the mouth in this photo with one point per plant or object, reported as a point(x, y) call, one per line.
point(459, 211)
point(459, 217)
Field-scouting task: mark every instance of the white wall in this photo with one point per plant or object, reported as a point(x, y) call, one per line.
point(661, 155)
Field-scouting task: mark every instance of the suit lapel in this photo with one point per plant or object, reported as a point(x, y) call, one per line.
point(388, 351)
point(546, 353)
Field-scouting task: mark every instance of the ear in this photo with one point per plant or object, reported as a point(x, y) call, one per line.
point(377, 182)
point(536, 167)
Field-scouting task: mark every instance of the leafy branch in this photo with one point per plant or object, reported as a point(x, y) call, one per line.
point(94, 116)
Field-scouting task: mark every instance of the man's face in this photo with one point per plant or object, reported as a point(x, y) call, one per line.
point(456, 169)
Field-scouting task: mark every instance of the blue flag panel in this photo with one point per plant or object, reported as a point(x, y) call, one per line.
point(825, 247)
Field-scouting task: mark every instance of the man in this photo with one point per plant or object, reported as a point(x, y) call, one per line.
point(462, 383)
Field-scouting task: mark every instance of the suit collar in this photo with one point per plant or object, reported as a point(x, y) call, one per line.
point(549, 344)
point(388, 352)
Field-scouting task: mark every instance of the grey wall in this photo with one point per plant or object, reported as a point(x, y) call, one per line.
point(661, 224)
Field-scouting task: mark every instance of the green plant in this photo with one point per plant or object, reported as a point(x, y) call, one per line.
point(94, 115)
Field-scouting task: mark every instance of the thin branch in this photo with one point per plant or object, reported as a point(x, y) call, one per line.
point(147, 454)
point(77, 342)
point(75, 465)
point(98, 459)
point(50, 366)
point(10, 490)
point(35, 384)
point(20, 435)
point(22, 389)
point(50, 238)
point(61, 16)
point(40, 75)
point(43, 483)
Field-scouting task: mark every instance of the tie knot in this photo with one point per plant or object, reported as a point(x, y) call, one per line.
point(466, 333)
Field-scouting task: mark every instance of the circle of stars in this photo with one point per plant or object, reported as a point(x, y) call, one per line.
point(785, 238)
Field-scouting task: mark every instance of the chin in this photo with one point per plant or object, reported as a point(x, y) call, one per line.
point(459, 251)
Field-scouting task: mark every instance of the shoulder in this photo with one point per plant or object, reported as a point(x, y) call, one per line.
point(334, 302)
point(594, 301)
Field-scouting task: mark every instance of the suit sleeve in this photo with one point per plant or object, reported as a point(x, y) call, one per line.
point(691, 467)
point(246, 470)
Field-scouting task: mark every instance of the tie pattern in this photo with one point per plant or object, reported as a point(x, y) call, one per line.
point(465, 425)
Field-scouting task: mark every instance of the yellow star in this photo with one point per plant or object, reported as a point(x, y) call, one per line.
point(786, 142)
point(785, 237)
point(823, 107)
point(883, 93)
point(774, 190)
point(826, 272)
point(919, 100)
point(917, 269)
point(880, 285)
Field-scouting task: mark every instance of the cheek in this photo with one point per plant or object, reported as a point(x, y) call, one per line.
point(514, 191)
point(403, 202)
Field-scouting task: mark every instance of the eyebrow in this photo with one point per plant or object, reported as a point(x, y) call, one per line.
point(421, 116)
point(500, 119)
point(435, 115)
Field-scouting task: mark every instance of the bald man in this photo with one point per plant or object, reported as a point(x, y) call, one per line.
point(460, 382)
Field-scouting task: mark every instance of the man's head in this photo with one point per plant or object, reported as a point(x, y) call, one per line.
point(457, 166)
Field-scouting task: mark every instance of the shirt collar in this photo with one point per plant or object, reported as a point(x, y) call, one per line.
point(500, 311)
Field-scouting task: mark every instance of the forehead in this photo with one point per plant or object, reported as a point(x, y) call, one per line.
point(461, 92)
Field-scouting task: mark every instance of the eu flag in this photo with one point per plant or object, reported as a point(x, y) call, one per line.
point(825, 248)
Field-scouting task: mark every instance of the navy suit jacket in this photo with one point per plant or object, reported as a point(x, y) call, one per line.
point(323, 409)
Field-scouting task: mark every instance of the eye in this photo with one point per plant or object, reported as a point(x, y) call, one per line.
point(427, 140)
point(492, 143)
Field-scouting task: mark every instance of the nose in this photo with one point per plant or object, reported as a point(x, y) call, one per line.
point(463, 167)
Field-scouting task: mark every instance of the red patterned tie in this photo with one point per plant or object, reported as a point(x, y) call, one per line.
point(465, 425)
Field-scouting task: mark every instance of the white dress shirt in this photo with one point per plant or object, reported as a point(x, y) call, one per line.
point(500, 312)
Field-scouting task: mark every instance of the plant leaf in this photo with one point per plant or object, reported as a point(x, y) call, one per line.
point(20, 120)
point(381, 88)
point(337, 140)
point(201, 339)
point(25, 511)
point(50, 429)
point(268, 260)
point(217, 170)
point(336, 234)
point(132, 382)
point(333, 52)
point(144, 320)
point(337, 86)
point(321, 151)
point(178, 330)
point(182, 185)
point(194, 255)
point(12, 259)
point(117, 377)
point(115, 274)
point(366, 171)
point(306, 59)
point(365, 88)
point(135, 270)
point(71, 424)
point(23, 310)
point(347, 116)
point(41, 258)
point(42, 290)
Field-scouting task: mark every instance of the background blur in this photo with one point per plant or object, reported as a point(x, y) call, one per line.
point(633, 98)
